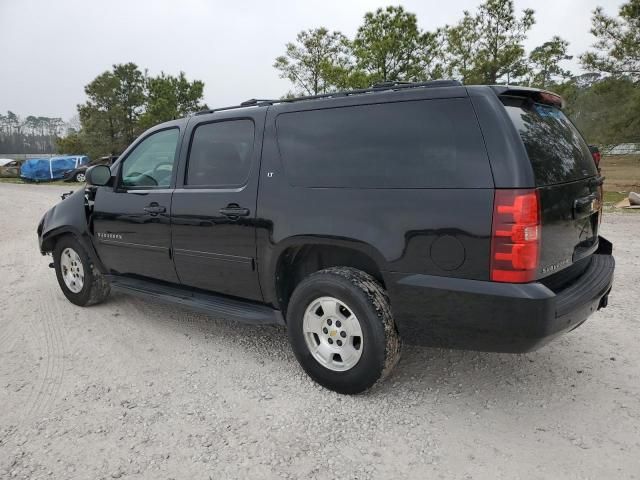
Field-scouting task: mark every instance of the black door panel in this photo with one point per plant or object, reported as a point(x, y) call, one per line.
point(131, 221)
point(214, 204)
point(131, 240)
point(211, 250)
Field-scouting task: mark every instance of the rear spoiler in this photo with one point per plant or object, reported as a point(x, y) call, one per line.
point(535, 94)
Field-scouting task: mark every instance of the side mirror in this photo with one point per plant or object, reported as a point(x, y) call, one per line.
point(98, 175)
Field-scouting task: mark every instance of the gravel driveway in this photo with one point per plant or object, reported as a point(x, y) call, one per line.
point(133, 389)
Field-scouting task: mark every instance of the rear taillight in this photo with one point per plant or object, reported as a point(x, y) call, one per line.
point(515, 243)
point(596, 158)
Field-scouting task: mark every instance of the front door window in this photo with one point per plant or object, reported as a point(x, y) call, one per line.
point(151, 163)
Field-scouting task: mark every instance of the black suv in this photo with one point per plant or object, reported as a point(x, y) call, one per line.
point(433, 212)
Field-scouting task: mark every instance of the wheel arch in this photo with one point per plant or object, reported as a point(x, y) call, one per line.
point(298, 257)
point(50, 239)
point(68, 217)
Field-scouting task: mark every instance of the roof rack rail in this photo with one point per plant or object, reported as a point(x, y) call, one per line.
point(255, 101)
point(393, 85)
point(389, 84)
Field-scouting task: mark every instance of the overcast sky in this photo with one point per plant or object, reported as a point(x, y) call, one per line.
point(50, 49)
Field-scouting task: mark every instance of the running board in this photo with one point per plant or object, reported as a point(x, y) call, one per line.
point(216, 305)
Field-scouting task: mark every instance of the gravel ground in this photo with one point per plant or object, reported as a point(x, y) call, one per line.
point(133, 389)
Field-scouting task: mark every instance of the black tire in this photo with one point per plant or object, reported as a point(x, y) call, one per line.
point(95, 287)
point(79, 177)
point(367, 299)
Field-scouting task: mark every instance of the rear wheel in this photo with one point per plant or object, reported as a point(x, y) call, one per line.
point(341, 329)
point(79, 279)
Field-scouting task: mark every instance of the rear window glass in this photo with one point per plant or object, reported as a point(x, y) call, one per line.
point(557, 151)
point(417, 144)
point(220, 154)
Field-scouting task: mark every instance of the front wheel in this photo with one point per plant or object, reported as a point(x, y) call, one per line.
point(79, 279)
point(80, 177)
point(341, 329)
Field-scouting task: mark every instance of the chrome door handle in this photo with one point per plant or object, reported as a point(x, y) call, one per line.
point(234, 211)
point(154, 209)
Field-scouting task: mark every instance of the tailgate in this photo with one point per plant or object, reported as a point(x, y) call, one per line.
point(567, 181)
point(570, 214)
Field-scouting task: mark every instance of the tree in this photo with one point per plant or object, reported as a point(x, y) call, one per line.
point(604, 109)
point(123, 102)
point(30, 124)
point(72, 144)
point(500, 54)
point(33, 134)
point(348, 76)
point(389, 46)
point(170, 97)
point(13, 122)
point(100, 115)
point(130, 95)
point(545, 62)
point(317, 62)
point(618, 42)
point(461, 48)
point(432, 55)
point(110, 115)
point(74, 125)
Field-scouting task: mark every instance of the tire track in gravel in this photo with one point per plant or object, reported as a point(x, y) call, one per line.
point(18, 334)
point(8, 335)
point(59, 331)
point(52, 346)
point(10, 329)
point(40, 347)
point(23, 265)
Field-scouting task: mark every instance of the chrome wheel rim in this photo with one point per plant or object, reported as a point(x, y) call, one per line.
point(333, 334)
point(72, 270)
point(80, 177)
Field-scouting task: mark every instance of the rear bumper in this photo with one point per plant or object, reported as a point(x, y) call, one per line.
point(501, 317)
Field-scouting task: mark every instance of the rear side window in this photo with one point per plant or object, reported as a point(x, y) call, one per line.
point(557, 151)
point(220, 154)
point(417, 144)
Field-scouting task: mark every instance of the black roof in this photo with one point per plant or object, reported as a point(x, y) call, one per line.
point(379, 87)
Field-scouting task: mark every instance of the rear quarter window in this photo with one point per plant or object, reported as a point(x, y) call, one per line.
point(416, 144)
point(555, 147)
point(220, 154)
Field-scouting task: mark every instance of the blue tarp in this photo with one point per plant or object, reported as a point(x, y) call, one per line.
point(52, 168)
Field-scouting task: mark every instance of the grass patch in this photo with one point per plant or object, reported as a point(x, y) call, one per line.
point(621, 172)
point(611, 198)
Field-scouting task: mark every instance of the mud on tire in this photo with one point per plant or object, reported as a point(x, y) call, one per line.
point(95, 287)
point(368, 301)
